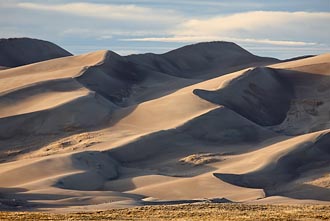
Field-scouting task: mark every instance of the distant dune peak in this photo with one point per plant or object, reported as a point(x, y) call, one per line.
point(202, 60)
point(22, 51)
point(219, 46)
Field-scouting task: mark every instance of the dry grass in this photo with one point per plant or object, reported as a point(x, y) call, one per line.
point(188, 212)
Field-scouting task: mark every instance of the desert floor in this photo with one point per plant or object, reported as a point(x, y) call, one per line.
point(188, 212)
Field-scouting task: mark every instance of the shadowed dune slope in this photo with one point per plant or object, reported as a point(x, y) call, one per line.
point(67, 67)
point(259, 94)
point(45, 98)
point(217, 127)
point(293, 102)
point(288, 170)
point(39, 96)
point(79, 114)
point(16, 52)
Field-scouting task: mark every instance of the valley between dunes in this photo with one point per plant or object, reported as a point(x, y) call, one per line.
point(208, 122)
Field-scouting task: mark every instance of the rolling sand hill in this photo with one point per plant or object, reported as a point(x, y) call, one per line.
point(209, 122)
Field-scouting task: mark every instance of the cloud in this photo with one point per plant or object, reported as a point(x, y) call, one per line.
point(83, 20)
point(191, 39)
point(252, 21)
point(106, 11)
point(260, 27)
point(169, 24)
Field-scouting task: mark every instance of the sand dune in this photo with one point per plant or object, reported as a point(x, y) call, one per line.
point(209, 121)
point(3, 68)
point(317, 65)
point(290, 163)
point(40, 96)
point(296, 102)
point(16, 52)
point(259, 95)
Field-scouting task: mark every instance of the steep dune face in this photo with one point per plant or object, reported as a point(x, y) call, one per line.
point(290, 101)
point(16, 52)
point(112, 78)
point(112, 131)
point(260, 95)
point(309, 110)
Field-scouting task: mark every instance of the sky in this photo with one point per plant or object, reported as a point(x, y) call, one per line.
point(281, 28)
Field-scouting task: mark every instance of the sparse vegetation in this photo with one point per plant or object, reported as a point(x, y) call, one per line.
point(200, 159)
point(189, 212)
point(323, 181)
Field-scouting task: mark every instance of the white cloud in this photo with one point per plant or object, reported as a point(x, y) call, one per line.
point(83, 20)
point(191, 39)
point(252, 21)
point(142, 25)
point(261, 27)
point(106, 11)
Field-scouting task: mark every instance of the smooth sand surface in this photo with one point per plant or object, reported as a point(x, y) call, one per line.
point(99, 130)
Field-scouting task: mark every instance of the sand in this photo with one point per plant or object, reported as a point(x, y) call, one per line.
point(209, 121)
